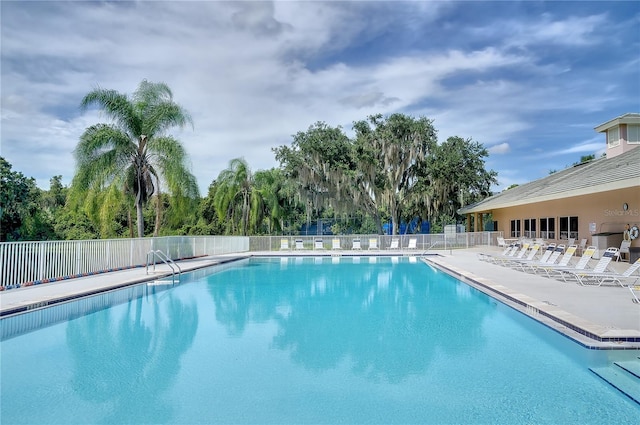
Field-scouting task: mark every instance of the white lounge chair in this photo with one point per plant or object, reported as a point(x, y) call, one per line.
point(284, 244)
point(335, 243)
point(509, 251)
point(624, 249)
point(356, 245)
point(318, 244)
point(299, 244)
point(634, 289)
point(514, 258)
point(582, 246)
point(541, 242)
point(564, 261)
point(549, 257)
point(483, 256)
point(413, 243)
point(614, 277)
point(395, 243)
point(584, 277)
point(580, 265)
point(373, 243)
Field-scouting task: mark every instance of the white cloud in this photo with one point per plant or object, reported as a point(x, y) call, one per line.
point(254, 73)
point(499, 149)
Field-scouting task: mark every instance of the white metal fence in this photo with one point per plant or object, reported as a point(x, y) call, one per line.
point(29, 263)
point(423, 242)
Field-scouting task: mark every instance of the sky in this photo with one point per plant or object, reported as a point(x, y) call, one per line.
point(529, 80)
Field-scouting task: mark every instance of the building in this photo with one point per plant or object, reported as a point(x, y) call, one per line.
point(596, 198)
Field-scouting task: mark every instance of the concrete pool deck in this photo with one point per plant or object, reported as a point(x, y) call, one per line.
point(599, 317)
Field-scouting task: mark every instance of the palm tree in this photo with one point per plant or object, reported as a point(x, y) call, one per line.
point(134, 153)
point(236, 199)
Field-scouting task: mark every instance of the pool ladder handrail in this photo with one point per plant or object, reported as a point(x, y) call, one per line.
point(431, 246)
point(165, 259)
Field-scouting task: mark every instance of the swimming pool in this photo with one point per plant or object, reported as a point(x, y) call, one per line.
point(301, 340)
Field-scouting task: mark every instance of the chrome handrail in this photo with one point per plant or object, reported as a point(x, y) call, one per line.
point(431, 246)
point(165, 259)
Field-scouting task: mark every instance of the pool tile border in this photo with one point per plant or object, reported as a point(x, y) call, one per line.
point(586, 333)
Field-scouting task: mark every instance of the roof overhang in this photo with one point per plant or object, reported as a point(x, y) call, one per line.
point(622, 119)
point(606, 187)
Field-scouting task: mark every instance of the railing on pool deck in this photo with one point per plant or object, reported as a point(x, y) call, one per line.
point(423, 242)
point(32, 263)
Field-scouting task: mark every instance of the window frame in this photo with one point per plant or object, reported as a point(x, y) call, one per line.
point(548, 228)
point(636, 139)
point(530, 228)
point(568, 226)
point(610, 132)
point(516, 228)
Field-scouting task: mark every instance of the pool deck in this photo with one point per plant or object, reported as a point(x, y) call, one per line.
point(598, 317)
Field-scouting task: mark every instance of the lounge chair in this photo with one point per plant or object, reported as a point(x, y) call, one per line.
point(549, 257)
point(284, 244)
point(356, 245)
point(614, 277)
point(585, 276)
point(624, 249)
point(541, 242)
point(335, 243)
point(299, 244)
point(581, 246)
point(394, 243)
point(318, 244)
point(509, 251)
point(530, 259)
point(564, 262)
point(580, 265)
point(373, 243)
point(413, 243)
point(520, 257)
point(514, 258)
point(634, 289)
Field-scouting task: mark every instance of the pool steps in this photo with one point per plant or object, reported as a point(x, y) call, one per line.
point(624, 376)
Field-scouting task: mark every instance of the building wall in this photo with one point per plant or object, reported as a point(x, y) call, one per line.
point(605, 210)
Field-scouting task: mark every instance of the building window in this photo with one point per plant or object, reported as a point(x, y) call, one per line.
point(515, 228)
point(568, 227)
point(548, 228)
point(613, 136)
point(530, 228)
point(633, 134)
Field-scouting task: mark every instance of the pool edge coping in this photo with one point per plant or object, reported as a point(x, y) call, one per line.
point(585, 333)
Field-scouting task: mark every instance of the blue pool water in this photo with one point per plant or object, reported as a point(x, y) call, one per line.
point(313, 340)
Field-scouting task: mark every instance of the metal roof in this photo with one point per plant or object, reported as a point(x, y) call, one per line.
point(630, 118)
point(599, 175)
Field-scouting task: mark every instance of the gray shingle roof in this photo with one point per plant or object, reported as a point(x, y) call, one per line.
point(600, 175)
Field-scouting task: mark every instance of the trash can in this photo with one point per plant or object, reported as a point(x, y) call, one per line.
point(634, 254)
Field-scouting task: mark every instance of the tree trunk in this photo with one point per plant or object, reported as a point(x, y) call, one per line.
point(156, 227)
point(129, 222)
point(394, 218)
point(139, 216)
point(378, 221)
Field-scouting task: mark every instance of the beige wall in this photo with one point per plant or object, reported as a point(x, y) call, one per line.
point(603, 209)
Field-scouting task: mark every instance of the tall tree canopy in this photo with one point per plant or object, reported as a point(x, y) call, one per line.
point(389, 154)
point(320, 163)
point(22, 216)
point(132, 157)
point(393, 167)
point(237, 202)
point(453, 176)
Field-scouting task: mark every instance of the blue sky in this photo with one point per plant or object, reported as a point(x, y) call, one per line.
point(529, 80)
